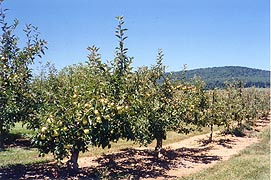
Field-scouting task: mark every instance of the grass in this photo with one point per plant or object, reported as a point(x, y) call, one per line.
point(20, 154)
point(21, 130)
point(253, 163)
point(23, 156)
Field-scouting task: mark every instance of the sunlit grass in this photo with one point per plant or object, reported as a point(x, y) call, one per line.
point(21, 130)
point(20, 155)
point(24, 156)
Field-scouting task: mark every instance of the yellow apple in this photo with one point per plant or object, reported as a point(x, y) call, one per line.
point(49, 120)
point(107, 117)
point(86, 131)
point(105, 101)
point(84, 122)
point(59, 123)
point(43, 129)
point(111, 104)
point(55, 134)
point(42, 137)
point(87, 105)
point(74, 96)
point(126, 107)
point(119, 108)
point(96, 112)
point(99, 118)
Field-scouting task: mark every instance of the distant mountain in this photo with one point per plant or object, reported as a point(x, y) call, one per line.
point(216, 76)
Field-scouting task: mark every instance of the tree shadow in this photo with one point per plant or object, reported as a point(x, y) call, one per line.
point(12, 140)
point(143, 163)
point(262, 122)
point(45, 170)
point(127, 163)
point(227, 143)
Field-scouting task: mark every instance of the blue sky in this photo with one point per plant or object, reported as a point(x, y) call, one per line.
point(198, 33)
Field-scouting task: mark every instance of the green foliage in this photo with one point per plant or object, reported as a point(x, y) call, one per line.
point(243, 106)
point(215, 112)
point(15, 73)
point(235, 108)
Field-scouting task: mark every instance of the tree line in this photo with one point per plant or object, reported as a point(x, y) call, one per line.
point(216, 77)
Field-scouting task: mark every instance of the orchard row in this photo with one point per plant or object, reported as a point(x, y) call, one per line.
point(97, 103)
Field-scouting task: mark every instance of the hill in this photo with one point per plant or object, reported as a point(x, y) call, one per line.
point(216, 76)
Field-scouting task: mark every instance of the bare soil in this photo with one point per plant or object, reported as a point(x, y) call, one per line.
point(178, 159)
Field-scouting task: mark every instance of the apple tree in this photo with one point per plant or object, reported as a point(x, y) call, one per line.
point(85, 104)
point(163, 104)
point(15, 73)
point(214, 114)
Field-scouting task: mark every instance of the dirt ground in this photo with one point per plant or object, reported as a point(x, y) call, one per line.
point(178, 159)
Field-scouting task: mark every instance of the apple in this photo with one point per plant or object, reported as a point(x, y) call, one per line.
point(86, 131)
point(107, 116)
point(74, 96)
point(42, 137)
point(55, 134)
point(111, 104)
point(65, 128)
point(126, 107)
point(105, 101)
point(99, 118)
point(96, 112)
point(84, 122)
point(49, 120)
point(60, 123)
point(119, 108)
point(43, 129)
point(87, 105)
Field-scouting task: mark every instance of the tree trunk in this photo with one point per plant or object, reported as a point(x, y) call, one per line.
point(1, 137)
point(240, 124)
point(72, 164)
point(211, 134)
point(1, 142)
point(159, 145)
